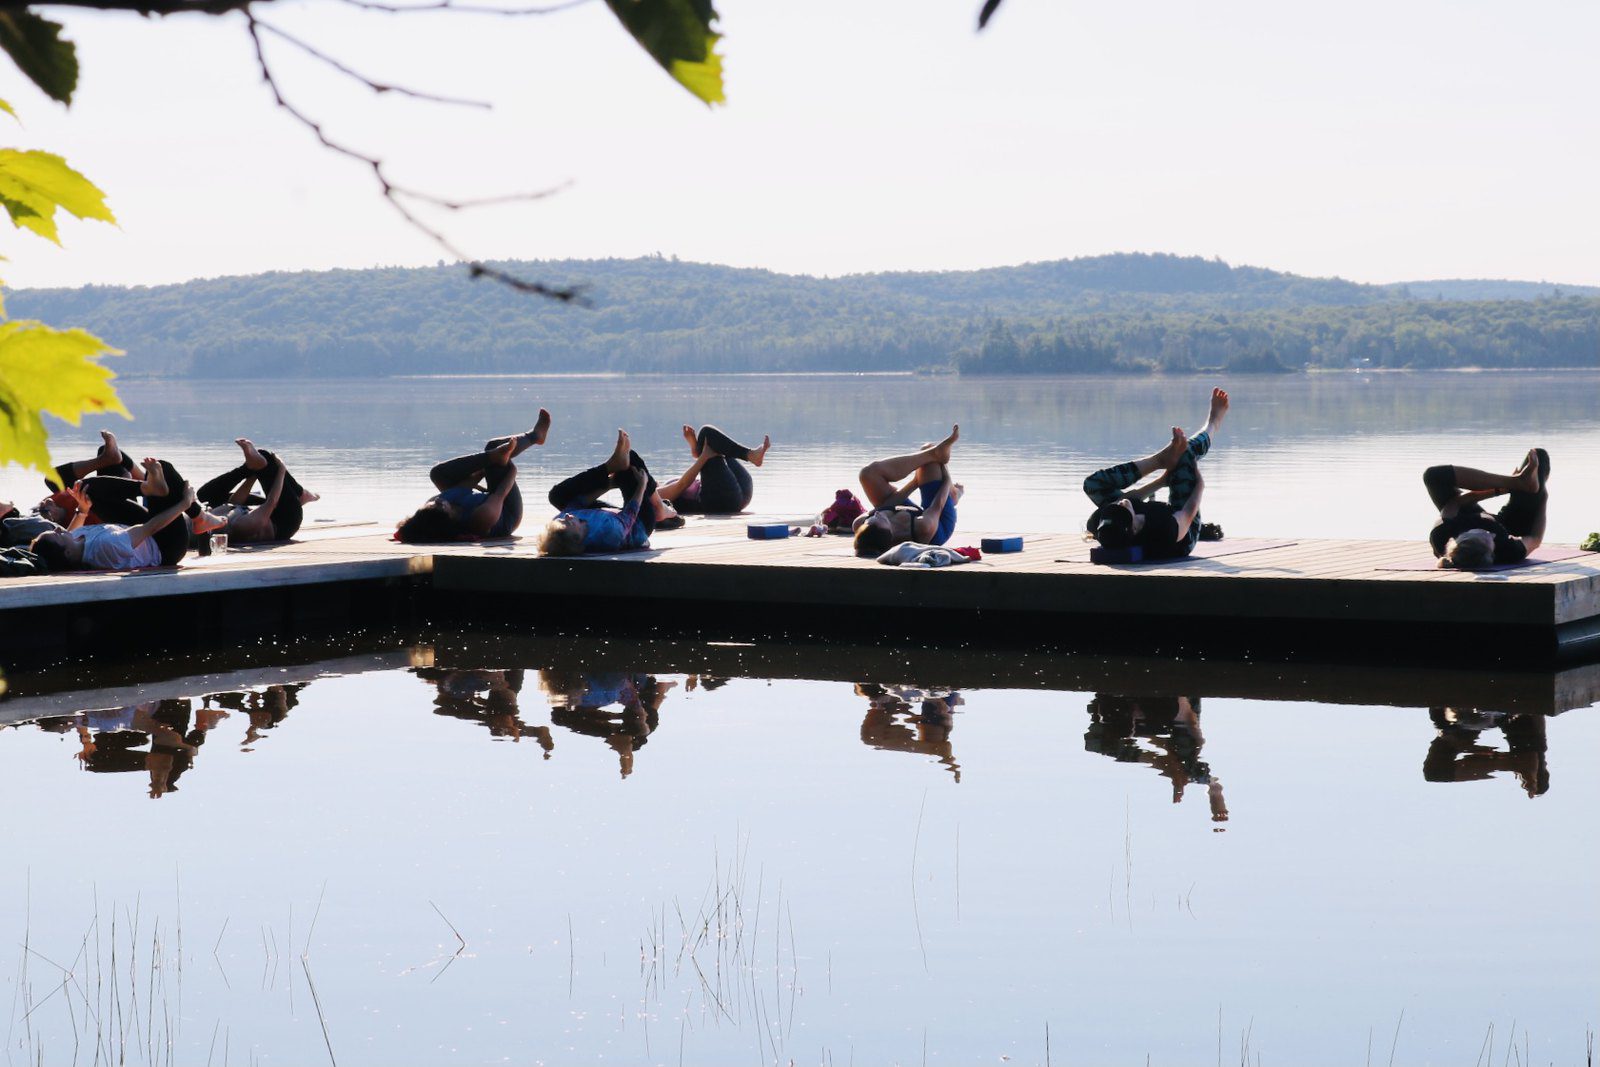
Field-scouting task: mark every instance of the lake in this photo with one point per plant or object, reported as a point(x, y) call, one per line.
point(1324, 455)
point(486, 846)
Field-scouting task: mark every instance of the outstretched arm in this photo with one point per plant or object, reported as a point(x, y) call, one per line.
point(160, 521)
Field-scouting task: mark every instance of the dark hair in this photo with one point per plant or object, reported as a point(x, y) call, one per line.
point(873, 540)
point(428, 523)
point(51, 553)
point(1112, 526)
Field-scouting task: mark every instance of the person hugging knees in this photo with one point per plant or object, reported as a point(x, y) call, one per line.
point(131, 535)
point(586, 525)
point(1466, 537)
point(893, 518)
point(460, 509)
point(1126, 517)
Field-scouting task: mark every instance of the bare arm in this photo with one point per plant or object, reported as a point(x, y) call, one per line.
point(676, 487)
point(81, 513)
point(924, 526)
point(160, 521)
point(1452, 508)
point(486, 514)
point(1146, 491)
point(1186, 515)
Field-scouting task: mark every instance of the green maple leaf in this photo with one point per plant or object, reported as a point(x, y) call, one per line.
point(678, 35)
point(34, 185)
point(48, 370)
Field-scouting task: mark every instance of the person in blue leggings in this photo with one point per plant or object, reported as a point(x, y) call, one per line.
point(893, 518)
point(585, 524)
point(1125, 516)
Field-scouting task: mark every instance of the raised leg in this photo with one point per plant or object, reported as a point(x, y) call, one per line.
point(1106, 485)
point(878, 478)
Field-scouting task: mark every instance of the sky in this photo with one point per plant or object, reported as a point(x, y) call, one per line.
point(1377, 141)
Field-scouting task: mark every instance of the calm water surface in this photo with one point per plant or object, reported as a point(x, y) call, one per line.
point(659, 853)
point(662, 852)
point(1329, 455)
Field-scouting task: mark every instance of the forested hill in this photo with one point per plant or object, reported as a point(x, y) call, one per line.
point(1122, 313)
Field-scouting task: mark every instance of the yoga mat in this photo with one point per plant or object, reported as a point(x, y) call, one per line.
point(1204, 550)
point(1542, 554)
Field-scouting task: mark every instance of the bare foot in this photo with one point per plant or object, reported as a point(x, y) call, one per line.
point(541, 427)
point(1175, 448)
point(1528, 473)
point(308, 497)
point(500, 455)
point(1219, 408)
point(252, 458)
point(113, 454)
point(618, 461)
point(694, 441)
point(155, 479)
point(205, 523)
point(758, 456)
point(942, 449)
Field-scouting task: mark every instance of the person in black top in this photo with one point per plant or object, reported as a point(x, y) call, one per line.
point(1126, 517)
point(1469, 538)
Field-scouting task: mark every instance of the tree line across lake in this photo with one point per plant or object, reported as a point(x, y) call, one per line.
point(1127, 314)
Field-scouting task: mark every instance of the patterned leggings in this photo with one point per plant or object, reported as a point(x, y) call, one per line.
point(1105, 486)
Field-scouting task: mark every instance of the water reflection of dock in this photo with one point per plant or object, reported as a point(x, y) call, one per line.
point(1331, 599)
point(65, 690)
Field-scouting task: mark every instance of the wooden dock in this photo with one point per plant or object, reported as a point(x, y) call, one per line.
point(1308, 597)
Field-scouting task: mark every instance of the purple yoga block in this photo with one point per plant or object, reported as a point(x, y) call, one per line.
point(1116, 555)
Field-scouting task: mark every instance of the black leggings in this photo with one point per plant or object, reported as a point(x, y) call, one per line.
point(117, 500)
point(584, 488)
point(1518, 516)
point(466, 470)
point(725, 485)
point(286, 517)
point(67, 472)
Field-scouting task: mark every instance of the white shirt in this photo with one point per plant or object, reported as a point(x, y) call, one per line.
point(109, 546)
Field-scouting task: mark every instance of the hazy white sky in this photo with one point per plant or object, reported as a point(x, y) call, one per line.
point(1379, 141)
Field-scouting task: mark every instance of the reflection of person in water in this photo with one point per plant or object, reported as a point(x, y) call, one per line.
point(1171, 726)
point(583, 702)
point(265, 708)
point(1456, 755)
point(111, 741)
point(901, 719)
point(485, 696)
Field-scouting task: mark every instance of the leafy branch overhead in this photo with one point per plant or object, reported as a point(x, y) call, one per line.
point(44, 370)
point(48, 370)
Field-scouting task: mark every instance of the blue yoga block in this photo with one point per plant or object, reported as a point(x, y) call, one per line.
point(1116, 555)
point(1001, 544)
point(770, 531)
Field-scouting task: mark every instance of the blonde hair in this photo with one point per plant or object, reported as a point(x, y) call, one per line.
point(1469, 554)
point(561, 538)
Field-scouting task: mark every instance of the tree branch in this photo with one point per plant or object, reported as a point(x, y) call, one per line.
point(376, 86)
point(398, 195)
point(470, 9)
